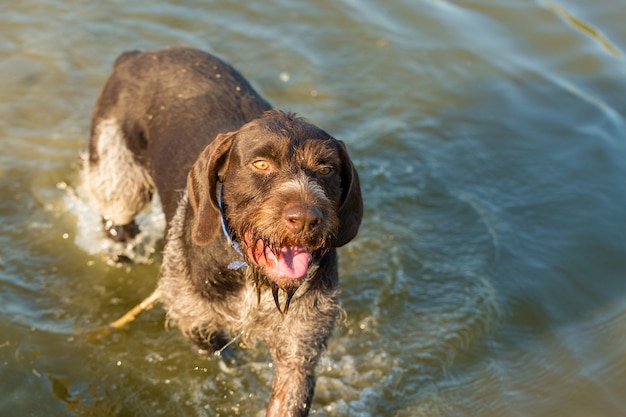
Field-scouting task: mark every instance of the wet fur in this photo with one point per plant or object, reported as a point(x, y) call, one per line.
point(183, 123)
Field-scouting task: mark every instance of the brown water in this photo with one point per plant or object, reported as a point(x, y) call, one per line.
point(489, 277)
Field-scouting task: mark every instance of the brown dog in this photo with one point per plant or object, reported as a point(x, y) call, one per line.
point(256, 201)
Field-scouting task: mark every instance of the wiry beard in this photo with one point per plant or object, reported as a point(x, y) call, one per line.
point(261, 281)
point(314, 243)
point(276, 256)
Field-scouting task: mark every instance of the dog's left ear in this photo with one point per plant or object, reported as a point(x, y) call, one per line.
point(202, 186)
point(351, 210)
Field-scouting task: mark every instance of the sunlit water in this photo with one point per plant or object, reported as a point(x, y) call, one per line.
point(489, 276)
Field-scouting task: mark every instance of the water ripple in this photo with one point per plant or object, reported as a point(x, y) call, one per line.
point(584, 27)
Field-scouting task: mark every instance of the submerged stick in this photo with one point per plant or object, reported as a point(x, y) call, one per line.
point(146, 304)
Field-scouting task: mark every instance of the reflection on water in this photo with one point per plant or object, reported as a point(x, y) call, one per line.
point(487, 278)
point(585, 27)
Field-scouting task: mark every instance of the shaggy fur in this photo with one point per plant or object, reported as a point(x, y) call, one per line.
point(256, 201)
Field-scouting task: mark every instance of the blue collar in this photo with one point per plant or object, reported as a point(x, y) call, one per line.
point(234, 264)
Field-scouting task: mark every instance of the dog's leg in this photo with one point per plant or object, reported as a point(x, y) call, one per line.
point(118, 184)
point(292, 392)
point(293, 384)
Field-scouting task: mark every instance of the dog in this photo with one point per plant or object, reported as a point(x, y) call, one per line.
point(256, 201)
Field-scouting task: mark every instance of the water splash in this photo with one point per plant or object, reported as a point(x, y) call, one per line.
point(90, 236)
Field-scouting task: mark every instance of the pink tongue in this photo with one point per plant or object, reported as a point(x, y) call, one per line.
point(293, 262)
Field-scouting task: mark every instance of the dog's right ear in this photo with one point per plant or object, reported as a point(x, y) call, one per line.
point(202, 185)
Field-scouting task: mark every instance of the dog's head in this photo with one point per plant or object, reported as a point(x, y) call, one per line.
point(290, 192)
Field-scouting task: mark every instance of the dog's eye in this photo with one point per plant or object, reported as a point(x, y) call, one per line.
point(261, 165)
point(325, 170)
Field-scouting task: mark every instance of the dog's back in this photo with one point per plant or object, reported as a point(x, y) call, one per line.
point(166, 106)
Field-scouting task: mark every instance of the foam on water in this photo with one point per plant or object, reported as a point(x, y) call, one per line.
point(91, 238)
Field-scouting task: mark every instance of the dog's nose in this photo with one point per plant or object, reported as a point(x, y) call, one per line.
point(302, 217)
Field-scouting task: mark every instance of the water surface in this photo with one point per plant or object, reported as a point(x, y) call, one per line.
point(488, 278)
